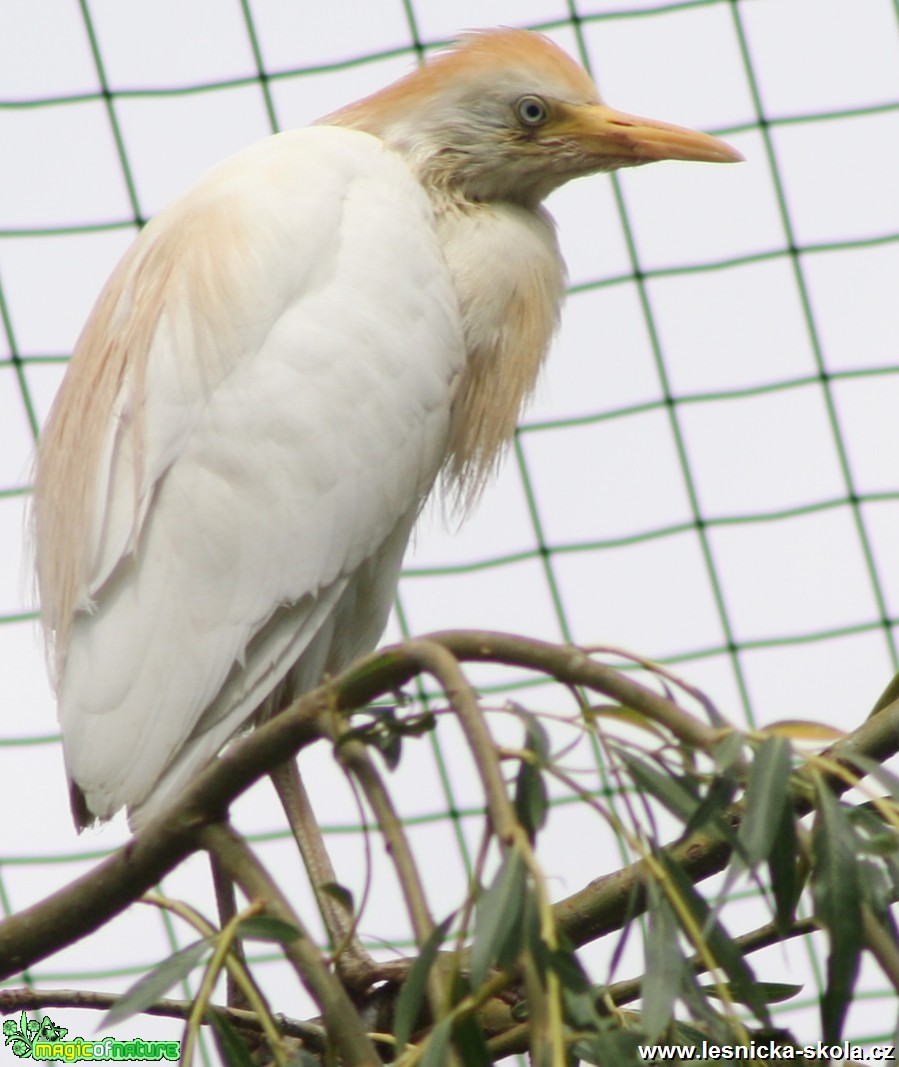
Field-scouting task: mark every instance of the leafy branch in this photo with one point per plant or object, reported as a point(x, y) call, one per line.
point(731, 801)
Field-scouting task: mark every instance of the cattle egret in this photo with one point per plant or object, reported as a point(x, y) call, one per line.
point(272, 381)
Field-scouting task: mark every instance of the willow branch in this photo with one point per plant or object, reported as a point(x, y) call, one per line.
point(438, 660)
point(90, 901)
point(342, 1021)
point(573, 666)
point(604, 904)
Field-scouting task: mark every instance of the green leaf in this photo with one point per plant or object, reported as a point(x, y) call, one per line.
point(578, 995)
point(728, 751)
point(265, 928)
point(664, 964)
point(231, 1045)
point(684, 1034)
point(876, 888)
point(773, 992)
point(697, 1003)
point(837, 892)
point(782, 870)
point(707, 817)
point(675, 793)
point(616, 1047)
point(766, 798)
point(531, 802)
point(633, 908)
point(497, 916)
point(725, 952)
point(470, 1044)
point(536, 739)
point(155, 983)
point(436, 1053)
point(874, 835)
point(412, 994)
point(866, 765)
point(563, 962)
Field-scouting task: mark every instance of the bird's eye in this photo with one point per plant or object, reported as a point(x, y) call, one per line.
point(532, 111)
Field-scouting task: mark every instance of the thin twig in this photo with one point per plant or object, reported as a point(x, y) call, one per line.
point(342, 1022)
point(444, 666)
point(572, 665)
point(353, 963)
point(226, 905)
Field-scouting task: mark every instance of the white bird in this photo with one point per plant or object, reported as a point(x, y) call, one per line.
point(271, 383)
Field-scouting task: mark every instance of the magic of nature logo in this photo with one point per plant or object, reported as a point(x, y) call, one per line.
point(44, 1040)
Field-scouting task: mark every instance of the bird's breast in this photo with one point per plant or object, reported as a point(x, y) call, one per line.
point(509, 279)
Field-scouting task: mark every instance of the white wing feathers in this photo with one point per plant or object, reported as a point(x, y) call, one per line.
point(286, 420)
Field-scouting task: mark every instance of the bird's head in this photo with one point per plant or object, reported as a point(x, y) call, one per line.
point(507, 115)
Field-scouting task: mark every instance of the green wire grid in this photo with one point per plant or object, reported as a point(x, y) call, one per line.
point(581, 26)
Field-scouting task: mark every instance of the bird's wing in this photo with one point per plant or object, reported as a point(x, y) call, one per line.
point(279, 415)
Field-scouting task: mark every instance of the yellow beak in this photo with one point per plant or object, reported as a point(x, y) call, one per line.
point(616, 139)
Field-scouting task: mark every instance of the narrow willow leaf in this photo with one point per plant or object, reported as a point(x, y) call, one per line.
point(865, 765)
point(802, 730)
point(707, 817)
point(664, 964)
point(411, 998)
point(531, 801)
point(677, 796)
point(773, 992)
point(265, 928)
point(728, 751)
point(436, 1053)
point(684, 1034)
point(578, 995)
point(536, 737)
point(231, 1045)
point(697, 1003)
point(616, 1047)
point(837, 891)
point(782, 869)
point(563, 962)
point(876, 887)
point(526, 935)
point(633, 908)
point(470, 1044)
point(721, 945)
point(630, 716)
point(497, 916)
point(766, 798)
point(151, 986)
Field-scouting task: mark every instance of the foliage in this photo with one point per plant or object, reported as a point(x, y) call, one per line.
point(687, 794)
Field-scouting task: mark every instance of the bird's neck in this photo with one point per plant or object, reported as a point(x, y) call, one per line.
point(510, 280)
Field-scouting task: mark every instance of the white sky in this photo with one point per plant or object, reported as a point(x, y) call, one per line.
point(802, 577)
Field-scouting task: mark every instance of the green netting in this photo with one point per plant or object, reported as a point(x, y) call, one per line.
point(759, 660)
